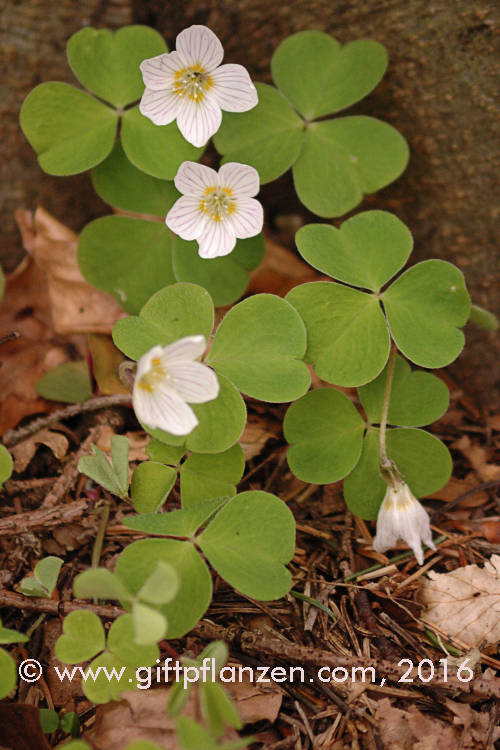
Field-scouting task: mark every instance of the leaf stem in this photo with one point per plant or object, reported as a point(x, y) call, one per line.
point(101, 531)
point(386, 464)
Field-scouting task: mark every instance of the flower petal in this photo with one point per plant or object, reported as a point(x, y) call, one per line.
point(199, 46)
point(165, 410)
point(158, 72)
point(248, 218)
point(198, 120)
point(186, 349)
point(233, 88)
point(144, 362)
point(194, 382)
point(217, 239)
point(193, 178)
point(162, 107)
point(241, 178)
point(185, 218)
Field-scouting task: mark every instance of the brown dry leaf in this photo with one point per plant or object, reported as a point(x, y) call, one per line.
point(280, 271)
point(23, 452)
point(138, 442)
point(254, 702)
point(413, 730)
point(478, 459)
point(256, 434)
point(20, 728)
point(465, 603)
point(76, 306)
point(106, 360)
point(475, 724)
point(456, 487)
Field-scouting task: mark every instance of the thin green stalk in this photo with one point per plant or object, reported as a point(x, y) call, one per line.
point(101, 531)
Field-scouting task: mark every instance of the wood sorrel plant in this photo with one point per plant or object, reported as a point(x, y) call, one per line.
point(361, 329)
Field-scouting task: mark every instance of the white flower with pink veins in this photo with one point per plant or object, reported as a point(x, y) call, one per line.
point(216, 208)
point(191, 86)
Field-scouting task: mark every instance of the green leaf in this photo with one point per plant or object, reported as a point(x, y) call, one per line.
point(344, 158)
point(225, 278)
point(138, 561)
point(321, 77)
point(161, 586)
point(423, 460)
point(129, 258)
point(425, 308)
point(99, 583)
point(205, 476)
point(70, 723)
point(119, 460)
point(106, 686)
point(2, 283)
point(46, 574)
point(157, 150)
point(218, 709)
point(8, 673)
point(174, 312)
point(325, 433)
point(268, 137)
point(151, 484)
point(49, 720)
point(483, 319)
point(83, 637)
point(259, 346)
point(249, 542)
point(69, 130)
point(183, 522)
point(121, 644)
point(348, 341)
point(165, 454)
point(366, 251)
point(11, 636)
point(68, 382)
point(150, 626)
point(218, 652)
point(124, 186)
point(6, 464)
point(417, 398)
point(76, 745)
point(107, 63)
point(98, 468)
point(221, 422)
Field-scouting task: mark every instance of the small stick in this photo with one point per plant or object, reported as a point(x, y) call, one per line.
point(44, 518)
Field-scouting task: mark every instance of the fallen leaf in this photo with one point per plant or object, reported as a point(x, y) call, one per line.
point(106, 360)
point(280, 271)
point(23, 452)
point(257, 433)
point(254, 702)
point(475, 724)
point(20, 728)
point(413, 730)
point(456, 487)
point(138, 442)
point(76, 306)
point(465, 603)
point(477, 456)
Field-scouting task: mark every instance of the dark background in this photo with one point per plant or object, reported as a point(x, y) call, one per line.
point(441, 91)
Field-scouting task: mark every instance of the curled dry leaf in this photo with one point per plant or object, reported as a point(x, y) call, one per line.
point(257, 433)
point(76, 306)
point(280, 271)
point(255, 702)
point(465, 603)
point(23, 452)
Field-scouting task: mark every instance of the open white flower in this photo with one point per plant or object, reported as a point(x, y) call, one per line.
point(402, 517)
point(167, 378)
point(216, 208)
point(191, 86)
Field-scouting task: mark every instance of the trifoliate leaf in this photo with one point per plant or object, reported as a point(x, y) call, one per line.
point(129, 258)
point(347, 338)
point(69, 130)
point(165, 454)
point(205, 476)
point(325, 433)
point(121, 644)
point(150, 626)
point(183, 522)
point(150, 486)
point(366, 251)
point(425, 308)
point(46, 574)
point(107, 63)
point(99, 583)
point(82, 638)
point(161, 586)
point(112, 677)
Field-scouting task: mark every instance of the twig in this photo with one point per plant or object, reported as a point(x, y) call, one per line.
point(12, 437)
point(51, 607)
point(44, 518)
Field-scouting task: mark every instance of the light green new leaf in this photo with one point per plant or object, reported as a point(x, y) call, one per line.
point(6, 464)
point(150, 486)
point(150, 626)
point(8, 673)
point(164, 454)
point(46, 574)
point(417, 398)
point(225, 278)
point(103, 689)
point(422, 459)
point(121, 644)
point(158, 150)
point(325, 433)
point(68, 382)
point(321, 77)
point(107, 63)
point(99, 583)
point(348, 343)
point(82, 638)
point(184, 522)
point(119, 459)
point(221, 423)
point(344, 158)
point(217, 708)
point(174, 312)
point(98, 468)
point(249, 542)
point(161, 586)
point(130, 258)
point(124, 186)
point(69, 130)
point(138, 561)
point(11, 636)
point(425, 308)
point(366, 251)
point(268, 137)
point(259, 346)
point(205, 476)
point(49, 720)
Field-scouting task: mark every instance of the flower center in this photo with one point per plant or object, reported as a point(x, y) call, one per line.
point(192, 82)
point(156, 373)
point(218, 203)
